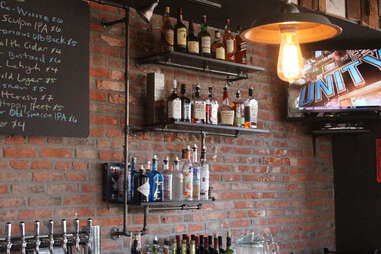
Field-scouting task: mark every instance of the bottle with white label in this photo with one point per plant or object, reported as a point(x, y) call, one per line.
point(239, 111)
point(229, 41)
point(178, 181)
point(251, 110)
point(155, 182)
point(185, 105)
point(196, 174)
point(168, 180)
point(205, 39)
point(198, 107)
point(174, 104)
point(211, 109)
point(218, 47)
point(204, 176)
point(193, 43)
point(180, 33)
point(226, 112)
point(188, 174)
point(142, 186)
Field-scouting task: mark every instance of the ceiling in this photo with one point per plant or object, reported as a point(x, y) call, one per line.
point(243, 12)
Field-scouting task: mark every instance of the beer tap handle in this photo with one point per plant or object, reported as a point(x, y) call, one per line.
point(90, 239)
point(37, 237)
point(64, 236)
point(77, 239)
point(51, 236)
point(23, 241)
point(9, 236)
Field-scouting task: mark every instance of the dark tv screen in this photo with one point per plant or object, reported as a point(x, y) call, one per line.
point(336, 81)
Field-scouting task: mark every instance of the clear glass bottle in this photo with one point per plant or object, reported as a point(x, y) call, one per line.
point(218, 47)
point(240, 55)
point(193, 43)
point(239, 111)
point(168, 180)
point(204, 176)
point(211, 106)
point(229, 42)
point(251, 110)
point(131, 179)
point(204, 38)
point(226, 112)
point(196, 174)
point(156, 182)
point(142, 186)
point(180, 33)
point(198, 107)
point(185, 106)
point(188, 175)
point(135, 249)
point(167, 32)
point(174, 104)
point(178, 181)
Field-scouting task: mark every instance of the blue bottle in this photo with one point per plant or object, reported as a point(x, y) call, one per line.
point(131, 179)
point(156, 182)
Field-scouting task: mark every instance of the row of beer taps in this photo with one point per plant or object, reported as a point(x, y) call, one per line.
point(37, 241)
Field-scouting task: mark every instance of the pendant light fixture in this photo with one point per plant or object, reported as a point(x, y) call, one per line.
point(289, 28)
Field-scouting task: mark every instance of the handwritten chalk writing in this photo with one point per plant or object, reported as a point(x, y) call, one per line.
point(9, 43)
point(46, 107)
point(29, 14)
point(55, 60)
point(15, 33)
point(2, 112)
point(41, 27)
point(18, 124)
point(3, 124)
point(55, 29)
point(56, 51)
point(3, 5)
point(16, 112)
point(40, 89)
point(7, 76)
point(34, 47)
point(50, 80)
point(8, 95)
point(42, 115)
point(14, 87)
point(47, 97)
point(19, 65)
point(28, 81)
point(17, 21)
point(51, 69)
point(57, 20)
point(6, 104)
point(25, 56)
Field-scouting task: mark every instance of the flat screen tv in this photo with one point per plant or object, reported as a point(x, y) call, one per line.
point(337, 81)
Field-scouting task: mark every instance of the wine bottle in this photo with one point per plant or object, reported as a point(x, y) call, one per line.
point(229, 249)
point(167, 32)
point(218, 47)
point(239, 111)
point(210, 246)
point(251, 110)
point(204, 38)
point(201, 245)
point(206, 246)
point(174, 104)
point(135, 245)
point(220, 246)
point(180, 33)
point(178, 245)
point(240, 55)
point(226, 112)
point(174, 246)
point(229, 42)
point(185, 106)
point(193, 43)
point(215, 249)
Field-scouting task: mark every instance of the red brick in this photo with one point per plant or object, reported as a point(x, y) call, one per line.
point(11, 202)
point(8, 215)
point(110, 85)
point(86, 211)
point(19, 164)
point(64, 212)
point(19, 152)
point(110, 156)
point(240, 223)
point(196, 227)
point(105, 50)
point(171, 219)
point(113, 132)
point(47, 152)
point(62, 165)
point(96, 132)
point(117, 99)
point(3, 189)
point(98, 96)
point(15, 177)
point(85, 153)
point(98, 72)
point(37, 140)
point(238, 214)
point(55, 140)
point(79, 199)
point(76, 177)
point(182, 228)
point(113, 42)
point(98, 60)
point(18, 189)
point(104, 120)
point(42, 165)
point(35, 214)
point(79, 165)
point(40, 201)
point(117, 75)
point(15, 140)
point(107, 222)
point(91, 188)
point(47, 177)
point(62, 188)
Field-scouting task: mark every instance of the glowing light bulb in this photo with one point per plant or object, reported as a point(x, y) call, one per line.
point(290, 60)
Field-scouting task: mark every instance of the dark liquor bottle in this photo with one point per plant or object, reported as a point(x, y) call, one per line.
point(206, 246)
point(229, 249)
point(193, 43)
point(201, 245)
point(229, 42)
point(215, 249)
point(221, 250)
point(240, 55)
point(218, 47)
point(167, 32)
point(178, 245)
point(185, 106)
point(251, 110)
point(141, 186)
point(197, 240)
point(180, 33)
point(174, 248)
point(210, 246)
point(135, 249)
point(204, 38)
point(174, 104)
point(156, 182)
point(198, 107)
point(226, 112)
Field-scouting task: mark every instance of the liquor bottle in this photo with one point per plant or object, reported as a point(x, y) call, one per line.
point(131, 179)
point(185, 106)
point(226, 112)
point(174, 104)
point(251, 110)
point(141, 186)
point(198, 107)
point(193, 43)
point(193, 247)
point(178, 181)
point(148, 167)
point(180, 33)
point(155, 246)
point(184, 246)
point(178, 245)
point(167, 32)
point(204, 176)
point(240, 55)
point(197, 240)
point(215, 249)
point(210, 246)
point(196, 174)
point(211, 106)
point(135, 245)
point(220, 249)
point(204, 38)
point(229, 249)
point(174, 246)
point(188, 176)
point(239, 111)
point(218, 47)
point(166, 246)
point(155, 182)
point(168, 180)
point(201, 244)
point(206, 246)
point(229, 42)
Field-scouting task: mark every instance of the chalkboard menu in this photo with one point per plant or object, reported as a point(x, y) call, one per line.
point(44, 68)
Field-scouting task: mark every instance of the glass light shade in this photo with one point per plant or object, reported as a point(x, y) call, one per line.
point(290, 60)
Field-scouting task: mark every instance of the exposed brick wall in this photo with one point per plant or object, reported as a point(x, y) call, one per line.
point(262, 182)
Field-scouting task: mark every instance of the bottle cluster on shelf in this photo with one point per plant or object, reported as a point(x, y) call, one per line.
point(185, 179)
point(239, 113)
point(195, 244)
point(179, 38)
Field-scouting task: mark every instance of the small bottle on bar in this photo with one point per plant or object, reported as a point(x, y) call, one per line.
point(193, 43)
point(218, 47)
point(251, 110)
point(205, 39)
point(167, 32)
point(180, 33)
